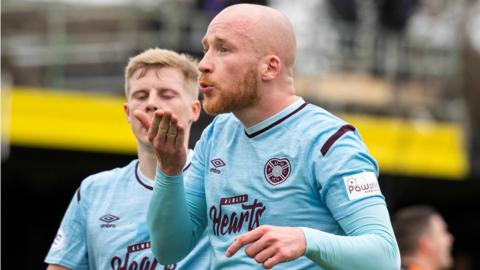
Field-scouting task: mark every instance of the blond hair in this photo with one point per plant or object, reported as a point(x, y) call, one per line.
point(160, 58)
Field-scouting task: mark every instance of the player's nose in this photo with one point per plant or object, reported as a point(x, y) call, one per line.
point(153, 103)
point(205, 65)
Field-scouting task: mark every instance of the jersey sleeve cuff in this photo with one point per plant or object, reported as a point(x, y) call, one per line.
point(66, 264)
point(312, 241)
point(162, 179)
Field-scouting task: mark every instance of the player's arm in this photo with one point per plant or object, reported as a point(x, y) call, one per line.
point(69, 249)
point(56, 267)
point(347, 175)
point(370, 242)
point(175, 218)
point(369, 245)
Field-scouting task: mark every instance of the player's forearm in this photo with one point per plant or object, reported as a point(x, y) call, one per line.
point(169, 221)
point(370, 245)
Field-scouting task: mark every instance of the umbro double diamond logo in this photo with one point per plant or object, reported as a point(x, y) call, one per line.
point(108, 219)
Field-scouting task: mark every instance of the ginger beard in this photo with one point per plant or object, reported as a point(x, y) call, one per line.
point(244, 94)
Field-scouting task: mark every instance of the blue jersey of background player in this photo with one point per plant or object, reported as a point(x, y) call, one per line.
point(105, 224)
point(288, 181)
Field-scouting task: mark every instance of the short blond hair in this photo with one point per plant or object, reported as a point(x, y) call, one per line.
point(160, 58)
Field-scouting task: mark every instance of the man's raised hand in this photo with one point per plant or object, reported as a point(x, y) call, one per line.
point(167, 137)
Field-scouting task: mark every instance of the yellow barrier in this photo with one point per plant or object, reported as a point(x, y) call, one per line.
point(81, 121)
point(69, 120)
point(416, 148)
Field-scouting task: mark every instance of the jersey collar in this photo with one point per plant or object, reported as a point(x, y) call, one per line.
point(147, 182)
point(142, 179)
point(276, 119)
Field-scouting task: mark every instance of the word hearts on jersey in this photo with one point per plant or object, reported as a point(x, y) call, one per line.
point(145, 264)
point(227, 224)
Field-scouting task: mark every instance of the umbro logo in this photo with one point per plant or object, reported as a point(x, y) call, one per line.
point(217, 163)
point(108, 219)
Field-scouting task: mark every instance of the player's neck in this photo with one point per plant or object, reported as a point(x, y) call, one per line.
point(266, 107)
point(147, 163)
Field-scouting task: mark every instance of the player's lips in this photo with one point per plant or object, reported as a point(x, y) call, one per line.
point(205, 88)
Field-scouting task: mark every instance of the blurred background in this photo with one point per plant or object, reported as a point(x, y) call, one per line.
point(404, 72)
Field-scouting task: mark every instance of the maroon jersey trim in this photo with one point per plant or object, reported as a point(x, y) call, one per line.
point(344, 129)
point(276, 122)
point(138, 178)
point(186, 167)
point(142, 183)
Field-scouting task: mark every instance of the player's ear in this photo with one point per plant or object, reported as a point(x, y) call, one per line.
point(128, 114)
point(196, 108)
point(270, 67)
point(425, 243)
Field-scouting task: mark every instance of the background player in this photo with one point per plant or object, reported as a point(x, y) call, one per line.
point(286, 179)
point(423, 238)
point(105, 224)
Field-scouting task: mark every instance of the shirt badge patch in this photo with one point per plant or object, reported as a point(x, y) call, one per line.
point(361, 185)
point(277, 170)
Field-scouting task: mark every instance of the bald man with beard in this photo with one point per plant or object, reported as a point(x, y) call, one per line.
point(276, 181)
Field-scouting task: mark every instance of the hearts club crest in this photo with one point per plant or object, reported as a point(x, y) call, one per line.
point(277, 170)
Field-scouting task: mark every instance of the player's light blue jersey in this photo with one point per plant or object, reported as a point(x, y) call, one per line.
point(303, 167)
point(105, 226)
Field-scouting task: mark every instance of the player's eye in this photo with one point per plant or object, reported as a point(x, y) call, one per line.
point(168, 94)
point(140, 95)
point(223, 49)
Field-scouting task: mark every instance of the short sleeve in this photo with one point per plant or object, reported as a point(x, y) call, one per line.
point(346, 175)
point(69, 248)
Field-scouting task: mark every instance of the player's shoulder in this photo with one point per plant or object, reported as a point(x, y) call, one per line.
point(225, 119)
point(106, 179)
point(331, 135)
point(319, 117)
point(316, 122)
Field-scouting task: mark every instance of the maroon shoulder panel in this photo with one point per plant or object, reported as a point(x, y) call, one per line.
point(344, 129)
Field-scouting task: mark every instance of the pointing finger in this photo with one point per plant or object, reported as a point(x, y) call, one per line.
point(244, 240)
